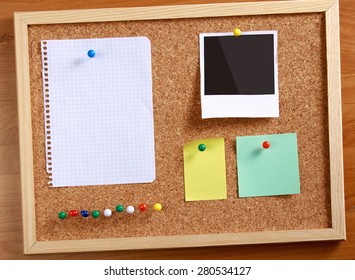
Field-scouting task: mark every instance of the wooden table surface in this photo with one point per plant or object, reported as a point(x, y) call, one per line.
point(10, 195)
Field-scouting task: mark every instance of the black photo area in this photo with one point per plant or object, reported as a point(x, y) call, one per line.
point(239, 65)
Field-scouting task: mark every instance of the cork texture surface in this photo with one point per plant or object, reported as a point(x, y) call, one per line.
point(177, 120)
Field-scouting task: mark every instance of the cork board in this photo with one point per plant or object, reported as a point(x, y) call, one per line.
point(304, 109)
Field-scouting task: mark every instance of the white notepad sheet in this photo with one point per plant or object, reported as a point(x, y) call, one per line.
point(98, 111)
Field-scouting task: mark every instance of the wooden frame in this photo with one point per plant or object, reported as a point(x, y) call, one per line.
point(331, 10)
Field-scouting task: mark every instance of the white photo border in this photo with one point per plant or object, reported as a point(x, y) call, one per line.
point(239, 106)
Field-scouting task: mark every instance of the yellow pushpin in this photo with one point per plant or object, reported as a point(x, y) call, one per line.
point(157, 206)
point(237, 32)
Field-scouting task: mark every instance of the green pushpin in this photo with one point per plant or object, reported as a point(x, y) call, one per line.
point(62, 215)
point(119, 208)
point(96, 213)
point(202, 147)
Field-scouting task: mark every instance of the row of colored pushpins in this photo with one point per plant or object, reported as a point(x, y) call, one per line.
point(202, 147)
point(108, 212)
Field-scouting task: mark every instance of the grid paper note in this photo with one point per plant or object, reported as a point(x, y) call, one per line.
point(98, 111)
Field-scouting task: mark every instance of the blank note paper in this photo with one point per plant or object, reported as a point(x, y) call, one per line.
point(268, 172)
point(205, 172)
point(98, 111)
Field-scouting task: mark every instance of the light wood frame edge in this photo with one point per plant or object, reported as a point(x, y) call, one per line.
point(177, 11)
point(183, 241)
point(335, 119)
point(23, 19)
point(25, 133)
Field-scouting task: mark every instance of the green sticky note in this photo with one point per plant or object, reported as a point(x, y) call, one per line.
point(267, 172)
point(205, 171)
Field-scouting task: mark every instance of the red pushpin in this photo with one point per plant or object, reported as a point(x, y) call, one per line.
point(266, 145)
point(143, 207)
point(73, 213)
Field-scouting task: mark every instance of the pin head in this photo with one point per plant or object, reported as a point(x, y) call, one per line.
point(202, 147)
point(91, 53)
point(62, 215)
point(107, 212)
point(266, 145)
point(143, 207)
point(96, 213)
point(130, 209)
point(119, 208)
point(237, 32)
point(73, 213)
point(84, 213)
point(157, 206)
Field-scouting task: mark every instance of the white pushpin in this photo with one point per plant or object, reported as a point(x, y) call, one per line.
point(107, 212)
point(130, 209)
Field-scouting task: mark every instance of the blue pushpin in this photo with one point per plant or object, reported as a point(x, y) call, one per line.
point(91, 53)
point(85, 213)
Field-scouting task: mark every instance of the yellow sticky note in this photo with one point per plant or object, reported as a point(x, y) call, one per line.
point(205, 171)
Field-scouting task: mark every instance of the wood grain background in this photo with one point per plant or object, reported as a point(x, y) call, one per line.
point(10, 197)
